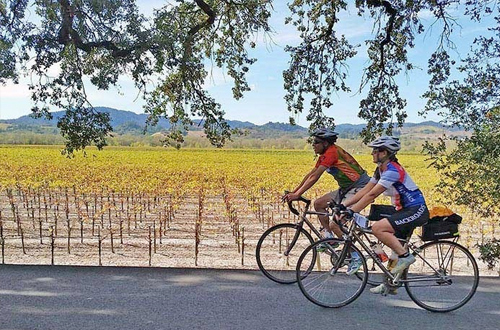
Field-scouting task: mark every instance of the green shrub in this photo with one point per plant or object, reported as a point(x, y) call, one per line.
point(490, 252)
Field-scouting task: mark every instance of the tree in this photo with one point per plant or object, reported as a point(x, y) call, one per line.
point(470, 170)
point(103, 40)
point(470, 177)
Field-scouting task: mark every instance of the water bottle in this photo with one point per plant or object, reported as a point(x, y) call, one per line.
point(377, 248)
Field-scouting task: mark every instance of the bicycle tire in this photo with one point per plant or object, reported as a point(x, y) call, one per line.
point(324, 284)
point(447, 279)
point(270, 251)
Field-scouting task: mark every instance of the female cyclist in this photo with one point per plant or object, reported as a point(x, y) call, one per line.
point(391, 179)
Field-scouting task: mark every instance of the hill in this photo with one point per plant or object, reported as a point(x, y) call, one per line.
point(128, 128)
point(119, 119)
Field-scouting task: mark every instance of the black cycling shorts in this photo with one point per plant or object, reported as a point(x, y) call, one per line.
point(406, 220)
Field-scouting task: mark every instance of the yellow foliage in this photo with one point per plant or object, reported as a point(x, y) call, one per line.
point(161, 171)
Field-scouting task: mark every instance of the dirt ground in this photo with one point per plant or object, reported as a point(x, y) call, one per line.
point(141, 233)
point(147, 236)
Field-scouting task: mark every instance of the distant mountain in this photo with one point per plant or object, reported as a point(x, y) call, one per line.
point(118, 118)
point(128, 122)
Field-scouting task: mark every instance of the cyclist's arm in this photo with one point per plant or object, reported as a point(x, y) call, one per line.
point(304, 180)
point(353, 199)
point(369, 197)
point(310, 180)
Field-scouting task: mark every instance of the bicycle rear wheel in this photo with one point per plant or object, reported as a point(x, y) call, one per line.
point(444, 278)
point(322, 276)
point(272, 247)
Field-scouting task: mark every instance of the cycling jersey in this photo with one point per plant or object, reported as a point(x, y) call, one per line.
point(403, 191)
point(344, 168)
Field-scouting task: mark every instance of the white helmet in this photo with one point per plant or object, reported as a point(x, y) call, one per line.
point(389, 143)
point(325, 134)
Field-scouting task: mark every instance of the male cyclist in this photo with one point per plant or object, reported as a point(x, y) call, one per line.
point(411, 211)
point(345, 169)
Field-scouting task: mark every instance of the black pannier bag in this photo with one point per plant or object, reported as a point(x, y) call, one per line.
point(442, 224)
point(437, 230)
point(379, 212)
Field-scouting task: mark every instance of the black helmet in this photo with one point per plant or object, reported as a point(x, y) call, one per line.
point(325, 134)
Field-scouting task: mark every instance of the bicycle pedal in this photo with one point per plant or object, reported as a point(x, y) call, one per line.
point(395, 281)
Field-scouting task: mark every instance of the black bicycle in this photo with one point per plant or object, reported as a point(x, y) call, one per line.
point(280, 247)
point(444, 277)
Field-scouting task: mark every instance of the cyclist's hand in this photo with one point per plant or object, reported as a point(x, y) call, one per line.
point(349, 213)
point(291, 197)
point(343, 215)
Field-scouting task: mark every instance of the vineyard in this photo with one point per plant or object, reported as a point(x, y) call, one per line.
point(162, 207)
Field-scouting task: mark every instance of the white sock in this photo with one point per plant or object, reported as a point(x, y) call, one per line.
point(327, 234)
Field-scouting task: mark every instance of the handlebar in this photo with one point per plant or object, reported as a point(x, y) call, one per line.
point(301, 199)
point(357, 219)
point(337, 209)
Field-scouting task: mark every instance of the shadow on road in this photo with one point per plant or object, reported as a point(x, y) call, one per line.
point(63, 297)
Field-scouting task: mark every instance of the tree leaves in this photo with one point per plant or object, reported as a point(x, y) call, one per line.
point(470, 171)
point(82, 127)
point(108, 39)
point(167, 56)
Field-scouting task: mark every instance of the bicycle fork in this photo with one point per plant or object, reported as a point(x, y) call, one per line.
point(340, 260)
point(294, 240)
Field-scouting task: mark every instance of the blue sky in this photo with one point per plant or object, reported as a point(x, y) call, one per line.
point(265, 101)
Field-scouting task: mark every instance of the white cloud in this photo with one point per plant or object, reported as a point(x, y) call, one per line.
point(216, 77)
point(13, 91)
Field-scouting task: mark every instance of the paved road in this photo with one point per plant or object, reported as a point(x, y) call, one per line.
point(58, 297)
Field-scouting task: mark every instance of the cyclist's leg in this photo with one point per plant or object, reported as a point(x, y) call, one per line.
point(337, 197)
point(386, 286)
point(351, 192)
point(321, 204)
point(385, 232)
point(400, 224)
point(355, 262)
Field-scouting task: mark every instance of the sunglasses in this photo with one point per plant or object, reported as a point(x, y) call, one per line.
point(317, 142)
point(377, 150)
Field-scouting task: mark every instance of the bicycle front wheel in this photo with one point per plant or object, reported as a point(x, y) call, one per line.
point(277, 252)
point(323, 278)
point(444, 277)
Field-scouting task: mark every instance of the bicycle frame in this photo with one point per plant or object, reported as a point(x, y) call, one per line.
point(303, 219)
point(353, 235)
point(428, 283)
